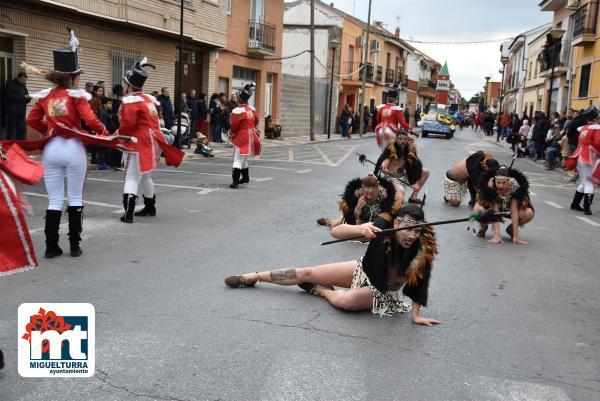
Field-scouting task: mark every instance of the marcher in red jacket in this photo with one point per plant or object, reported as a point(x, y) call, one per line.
point(58, 115)
point(389, 117)
point(16, 249)
point(244, 137)
point(139, 119)
point(587, 160)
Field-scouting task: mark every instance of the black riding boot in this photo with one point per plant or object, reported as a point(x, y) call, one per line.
point(149, 207)
point(587, 203)
point(129, 203)
point(75, 228)
point(576, 204)
point(236, 178)
point(51, 231)
point(245, 176)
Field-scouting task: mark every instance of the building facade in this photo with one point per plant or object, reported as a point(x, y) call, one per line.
point(254, 38)
point(585, 65)
point(534, 93)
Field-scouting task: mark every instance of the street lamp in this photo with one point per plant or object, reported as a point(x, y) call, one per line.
point(504, 61)
point(487, 81)
point(334, 43)
point(554, 50)
point(178, 104)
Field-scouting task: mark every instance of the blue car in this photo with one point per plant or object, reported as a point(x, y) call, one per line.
point(437, 121)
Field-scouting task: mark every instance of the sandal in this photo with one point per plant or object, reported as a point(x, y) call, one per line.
point(323, 221)
point(482, 230)
point(239, 281)
point(309, 287)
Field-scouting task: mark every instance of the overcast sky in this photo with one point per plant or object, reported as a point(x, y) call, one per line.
point(457, 20)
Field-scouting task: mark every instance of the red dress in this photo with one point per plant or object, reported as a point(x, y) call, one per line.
point(139, 118)
point(389, 116)
point(588, 150)
point(244, 134)
point(16, 249)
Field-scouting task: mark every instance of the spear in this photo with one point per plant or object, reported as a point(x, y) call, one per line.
point(363, 158)
point(484, 217)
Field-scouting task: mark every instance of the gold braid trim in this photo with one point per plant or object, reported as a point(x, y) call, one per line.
point(425, 257)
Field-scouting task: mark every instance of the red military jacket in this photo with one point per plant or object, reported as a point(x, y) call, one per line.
point(16, 249)
point(59, 107)
point(139, 118)
point(588, 149)
point(391, 115)
point(244, 134)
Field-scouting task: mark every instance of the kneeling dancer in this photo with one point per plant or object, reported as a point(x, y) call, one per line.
point(400, 164)
point(139, 118)
point(464, 174)
point(505, 190)
point(393, 266)
point(367, 205)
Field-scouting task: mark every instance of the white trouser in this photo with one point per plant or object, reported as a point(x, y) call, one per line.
point(134, 178)
point(585, 175)
point(64, 156)
point(386, 134)
point(239, 161)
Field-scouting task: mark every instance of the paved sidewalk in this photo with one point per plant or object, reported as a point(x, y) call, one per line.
point(221, 149)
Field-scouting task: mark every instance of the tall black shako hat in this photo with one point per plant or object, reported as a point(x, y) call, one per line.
point(393, 92)
point(246, 93)
point(137, 76)
point(66, 60)
point(591, 113)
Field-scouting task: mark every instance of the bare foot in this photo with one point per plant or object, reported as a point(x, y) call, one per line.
point(519, 241)
point(495, 241)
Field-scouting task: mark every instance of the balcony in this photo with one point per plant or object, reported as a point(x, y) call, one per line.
point(551, 5)
point(427, 87)
point(352, 71)
point(389, 76)
point(261, 38)
point(584, 24)
point(560, 56)
point(379, 74)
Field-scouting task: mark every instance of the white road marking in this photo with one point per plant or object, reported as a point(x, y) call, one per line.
point(290, 155)
point(214, 174)
point(343, 159)
point(253, 165)
point(590, 222)
point(302, 171)
point(203, 191)
point(324, 156)
point(85, 202)
point(532, 193)
point(554, 205)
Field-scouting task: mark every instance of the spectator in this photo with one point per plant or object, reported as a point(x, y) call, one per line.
point(16, 101)
point(96, 101)
point(228, 106)
point(346, 121)
point(202, 113)
point(355, 123)
point(272, 131)
point(214, 108)
point(552, 148)
point(117, 92)
point(542, 126)
point(504, 127)
point(89, 87)
point(105, 117)
point(167, 107)
point(366, 118)
point(522, 136)
point(192, 105)
point(155, 94)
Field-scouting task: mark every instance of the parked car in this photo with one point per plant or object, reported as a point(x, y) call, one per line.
point(437, 121)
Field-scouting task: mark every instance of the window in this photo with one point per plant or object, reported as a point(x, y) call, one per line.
point(257, 10)
point(244, 74)
point(584, 80)
point(228, 6)
point(122, 60)
point(537, 66)
point(223, 85)
point(530, 68)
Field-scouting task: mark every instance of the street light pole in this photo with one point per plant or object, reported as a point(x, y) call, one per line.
point(504, 61)
point(180, 81)
point(556, 47)
point(333, 48)
point(487, 83)
point(312, 70)
point(361, 126)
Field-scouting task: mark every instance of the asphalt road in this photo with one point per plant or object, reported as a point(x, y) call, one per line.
point(518, 322)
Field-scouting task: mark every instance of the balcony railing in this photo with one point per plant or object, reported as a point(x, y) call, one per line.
point(584, 20)
point(379, 74)
point(262, 37)
point(556, 55)
point(352, 71)
point(428, 83)
point(389, 76)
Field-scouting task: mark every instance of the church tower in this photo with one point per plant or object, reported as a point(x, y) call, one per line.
point(443, 85)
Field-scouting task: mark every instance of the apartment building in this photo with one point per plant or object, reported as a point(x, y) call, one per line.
point(585, 60)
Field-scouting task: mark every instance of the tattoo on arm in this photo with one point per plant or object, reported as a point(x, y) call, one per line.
point(281, 275)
